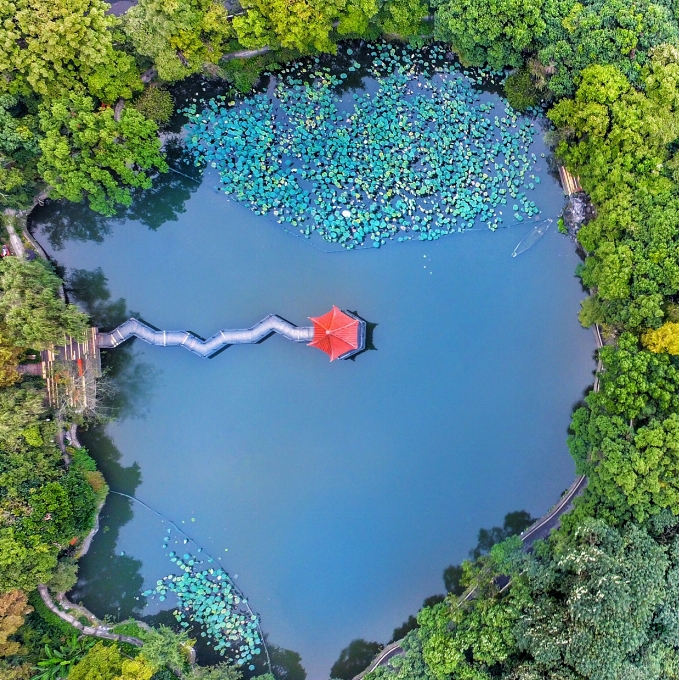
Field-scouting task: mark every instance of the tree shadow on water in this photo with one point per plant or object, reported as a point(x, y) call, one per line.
point(62, 221)
point(128, 384)
point(110, 583)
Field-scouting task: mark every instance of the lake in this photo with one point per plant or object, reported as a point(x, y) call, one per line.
point(336, 492)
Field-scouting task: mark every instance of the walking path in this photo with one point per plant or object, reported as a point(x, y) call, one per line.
point(206, 348)
point(99, 630)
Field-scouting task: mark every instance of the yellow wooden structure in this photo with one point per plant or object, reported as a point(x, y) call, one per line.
point(70, 371)
point(570, 184)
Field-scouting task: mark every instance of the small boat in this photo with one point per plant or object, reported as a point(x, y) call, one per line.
point(532, 237)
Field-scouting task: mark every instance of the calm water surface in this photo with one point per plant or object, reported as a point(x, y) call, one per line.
point(342, 490)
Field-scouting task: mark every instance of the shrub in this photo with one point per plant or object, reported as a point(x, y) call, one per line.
point(520, 91)
point(156, 104)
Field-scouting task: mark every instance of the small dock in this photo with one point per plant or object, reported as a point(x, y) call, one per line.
point(70, 371)
point(570, 184)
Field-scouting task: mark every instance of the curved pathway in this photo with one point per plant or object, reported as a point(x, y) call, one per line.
point(100, 630)
point(206, 348)
point(537, 531)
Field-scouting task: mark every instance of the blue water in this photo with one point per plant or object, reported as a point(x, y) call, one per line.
point(342, 490)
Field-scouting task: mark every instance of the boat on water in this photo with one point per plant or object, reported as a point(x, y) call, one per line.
point(532, 237)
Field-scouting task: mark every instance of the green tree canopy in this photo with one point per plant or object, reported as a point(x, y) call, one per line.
point(88, 153)
point(606, 32)
point(304, 25)
point(31, 312)
point(54, 47)
point(179, 36)
point(497, 32)
point(598, 607)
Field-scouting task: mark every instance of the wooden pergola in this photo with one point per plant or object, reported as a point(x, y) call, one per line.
point(570, 184)
point(70, 371)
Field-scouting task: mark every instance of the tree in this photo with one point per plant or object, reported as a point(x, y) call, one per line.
point(514, 523)
point(635, 383)
point(63, 46)
point(31, 312)
point(222, 671)
point(597, 608)
point(303, 25)
point(496, 32)
point(87, 153)
point(65, 576)
point(19, 408)
point(354, 658)
point(615, 32)
point(468, 639)
point(179, 37)
point(403, 17)
point(107, 663)
point(409, 666)
point(663, 339)
point(19, 151)
point(156, 104)
point(164, 647)
point(24, 563)
point(13, 608)
point(357, 16)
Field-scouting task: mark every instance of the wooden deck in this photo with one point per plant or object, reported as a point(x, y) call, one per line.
point(71, 370)
point(570, 184)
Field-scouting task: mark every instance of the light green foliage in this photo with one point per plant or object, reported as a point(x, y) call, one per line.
point(598, 607)
point(65, 576)
point(497, 32)
point(179, 36)
point(54, 47)
point(156, 104)
point(612, 132)
point(107, 663)
point(403, 17)
point(31, 312)
point(24, 563)
point(304, 25)
point(164, 647)
point(611, 32)
point(19, 409)
point(87, 153)
point(356, 17)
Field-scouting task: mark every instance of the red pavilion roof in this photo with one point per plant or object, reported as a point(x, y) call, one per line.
point(336, 333)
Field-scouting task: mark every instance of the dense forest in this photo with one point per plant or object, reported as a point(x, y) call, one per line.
point(83, 95)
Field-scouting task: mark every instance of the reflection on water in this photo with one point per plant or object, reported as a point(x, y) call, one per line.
point(60, 222)
point(108, 580)
point(128, 384)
